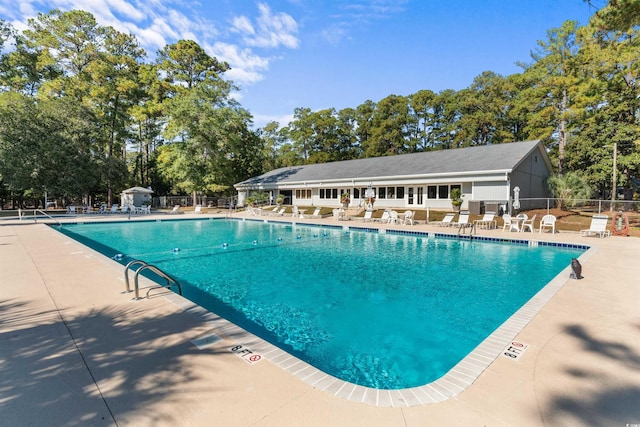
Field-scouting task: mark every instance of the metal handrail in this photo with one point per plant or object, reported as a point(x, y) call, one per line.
point(35, 218)
point(463, 227)
point(170, 280)
point(231, 210)
point(126, 272)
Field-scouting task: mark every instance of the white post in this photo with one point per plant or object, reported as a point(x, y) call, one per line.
point(614, 188)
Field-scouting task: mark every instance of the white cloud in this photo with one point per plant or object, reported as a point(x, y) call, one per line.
point(358, 13)
point(242, 25)
point(261, 120)
point(246, 66)
point(156, 23)
point(273, 30)
point(334, 34)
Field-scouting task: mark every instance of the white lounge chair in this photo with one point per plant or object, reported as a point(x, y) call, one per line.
point(279, 212)
point(463, 220)
point(548, 221)
point(384, 218)
point(197, 209)
point(71, 210)
point(488, 221)
point(368, 216)
point(266, 211)
point(176, 209)
point(316, 213)
point(114, 208)
point(598, 227)
point(447, 220)
point(124, 209)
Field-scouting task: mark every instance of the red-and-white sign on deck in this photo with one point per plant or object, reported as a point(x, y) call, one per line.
point(514, 350)
point(245, 354)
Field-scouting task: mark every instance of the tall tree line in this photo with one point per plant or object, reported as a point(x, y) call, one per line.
point(83, 113)
point(579, 95)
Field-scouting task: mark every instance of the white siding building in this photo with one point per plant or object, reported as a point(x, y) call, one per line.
point(485, 174)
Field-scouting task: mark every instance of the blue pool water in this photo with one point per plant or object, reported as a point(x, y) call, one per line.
point(380, 310)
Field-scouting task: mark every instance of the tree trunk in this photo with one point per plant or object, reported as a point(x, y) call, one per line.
point(562, 135)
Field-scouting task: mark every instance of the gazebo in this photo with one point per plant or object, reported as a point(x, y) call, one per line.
point(136, 196)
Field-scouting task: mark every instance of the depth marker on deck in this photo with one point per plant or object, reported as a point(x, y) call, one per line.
point(245, 354)
point(514, 350)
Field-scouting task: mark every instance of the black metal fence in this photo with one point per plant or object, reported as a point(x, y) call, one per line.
point(585, 205)
point(165, 202)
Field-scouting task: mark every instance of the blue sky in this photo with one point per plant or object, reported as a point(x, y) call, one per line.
point(334, 54)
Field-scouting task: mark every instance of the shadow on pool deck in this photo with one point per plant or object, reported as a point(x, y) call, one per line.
point(41, 371)
point(584, 404)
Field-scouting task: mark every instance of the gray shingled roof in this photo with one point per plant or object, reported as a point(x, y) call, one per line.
point(501, 157)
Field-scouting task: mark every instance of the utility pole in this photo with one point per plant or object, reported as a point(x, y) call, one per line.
point(614, 189)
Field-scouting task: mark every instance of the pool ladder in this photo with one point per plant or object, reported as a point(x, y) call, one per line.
point(463, 227)
point(145, 266)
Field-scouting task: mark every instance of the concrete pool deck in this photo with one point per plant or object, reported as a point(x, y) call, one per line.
point(75, 350)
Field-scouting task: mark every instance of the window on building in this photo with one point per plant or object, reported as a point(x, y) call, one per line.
point(382, 192)
point(303, 194)
point(322, 193)
point(356, 193)
point(391, 193)
point(334, 193)
point(399, 192)
point(410, 195)
point(432, 192)
point(420, 195)
point(443, 191)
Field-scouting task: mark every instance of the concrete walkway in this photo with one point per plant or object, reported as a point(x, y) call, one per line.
point(76, 351)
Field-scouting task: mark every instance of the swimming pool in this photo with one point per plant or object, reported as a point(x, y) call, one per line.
point(381, 310)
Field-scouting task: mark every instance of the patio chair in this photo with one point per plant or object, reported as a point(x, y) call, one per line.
point(393, 217)
point(598, 227)
point(71, 210)
point(124, 209)
point(548, 221)
point(528, 224)
point(408, 218)
point(488, 221)
point(197, 209)
point(295, 212)
point(368, 216)
point(510, 223)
